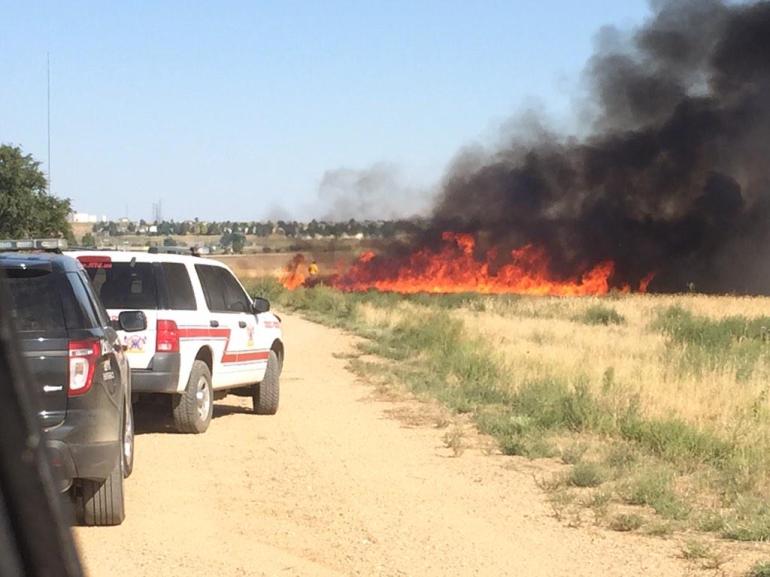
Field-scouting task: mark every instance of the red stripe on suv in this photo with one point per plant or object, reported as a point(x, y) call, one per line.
point(228, 357)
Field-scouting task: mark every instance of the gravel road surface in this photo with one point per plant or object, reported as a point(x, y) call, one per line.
point(334, 485)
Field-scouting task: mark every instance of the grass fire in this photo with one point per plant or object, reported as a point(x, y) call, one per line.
point(456, 267)
point(667, 187)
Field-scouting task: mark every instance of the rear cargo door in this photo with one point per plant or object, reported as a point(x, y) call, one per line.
point(39, 315)
point(125, 286)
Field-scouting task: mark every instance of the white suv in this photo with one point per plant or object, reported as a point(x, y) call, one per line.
point(205, 336)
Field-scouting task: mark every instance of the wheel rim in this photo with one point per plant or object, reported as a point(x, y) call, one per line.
point(204, 398)
point(128, 436)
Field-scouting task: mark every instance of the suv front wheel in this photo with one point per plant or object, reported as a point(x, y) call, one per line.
point(265, 394)
point(194, 407)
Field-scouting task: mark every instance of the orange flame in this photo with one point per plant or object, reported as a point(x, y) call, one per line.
point(295, 273)
point(455, 268)
point(645, 282)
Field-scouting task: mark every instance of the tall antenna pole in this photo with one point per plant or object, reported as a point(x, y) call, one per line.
point(48, 62)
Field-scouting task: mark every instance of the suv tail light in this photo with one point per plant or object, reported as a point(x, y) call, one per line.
point(83, 356)
point(167, 337)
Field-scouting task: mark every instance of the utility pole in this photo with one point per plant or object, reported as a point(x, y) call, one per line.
point(48, 68)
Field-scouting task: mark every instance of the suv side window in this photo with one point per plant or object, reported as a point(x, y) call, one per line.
point(101, 313)
point(222, 291)
point(179, 291)
point(82, 301)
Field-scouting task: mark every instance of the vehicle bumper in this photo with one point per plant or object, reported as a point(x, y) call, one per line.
point(86, 446)
point(162, 376)
point(89, 461)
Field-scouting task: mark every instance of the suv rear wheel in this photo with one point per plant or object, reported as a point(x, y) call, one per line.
point(265, 394)
point(193, 408)
point(101, 503)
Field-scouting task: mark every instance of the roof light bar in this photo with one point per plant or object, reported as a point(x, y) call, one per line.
point(33, 244)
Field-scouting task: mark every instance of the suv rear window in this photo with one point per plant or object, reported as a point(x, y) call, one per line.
point(36, 302)
point(125, 285)
point(43, 302)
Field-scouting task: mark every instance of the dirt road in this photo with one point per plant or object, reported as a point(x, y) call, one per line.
point(334, 486)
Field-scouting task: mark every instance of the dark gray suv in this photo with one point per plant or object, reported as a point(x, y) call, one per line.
point(78, 365)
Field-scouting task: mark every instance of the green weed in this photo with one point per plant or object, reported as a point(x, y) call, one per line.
point(760, 570)
point(267, 287)
point(600, 315)
point(653, 487)
point(660, 529)
point(708, 345)
point(749, 521)
point(587, 475)
point(621, 457)
point(626, 522)
point(573, 453)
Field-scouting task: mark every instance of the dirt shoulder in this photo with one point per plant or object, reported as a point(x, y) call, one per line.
point(333, 485)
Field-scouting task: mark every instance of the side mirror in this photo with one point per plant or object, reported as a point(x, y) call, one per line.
point(261, 305)
point(132, 321)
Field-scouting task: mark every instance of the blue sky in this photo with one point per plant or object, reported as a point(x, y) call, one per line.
point(236, 109)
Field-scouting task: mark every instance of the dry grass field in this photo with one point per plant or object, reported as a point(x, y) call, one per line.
point(711, 387)
point(654, 408)
point(272, 264)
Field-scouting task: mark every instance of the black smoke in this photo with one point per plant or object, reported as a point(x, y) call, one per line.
point(674, 176)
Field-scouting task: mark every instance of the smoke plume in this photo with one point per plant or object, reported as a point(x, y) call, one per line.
point(674, 177)
point(376, 193)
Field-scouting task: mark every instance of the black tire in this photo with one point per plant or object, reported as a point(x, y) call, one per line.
point(101, 503)
point(128, 438)
point(192, 412)
point(265, 395)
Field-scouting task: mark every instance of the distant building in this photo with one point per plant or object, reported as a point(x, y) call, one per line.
point(84, 217)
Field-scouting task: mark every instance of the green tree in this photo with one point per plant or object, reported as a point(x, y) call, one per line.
point(88, 240)
point(234, 240)
point(26, 208)
point(239, 241)
point(168, 241)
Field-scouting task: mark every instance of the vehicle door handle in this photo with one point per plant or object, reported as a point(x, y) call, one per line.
point(214, 323)
point(242, 324)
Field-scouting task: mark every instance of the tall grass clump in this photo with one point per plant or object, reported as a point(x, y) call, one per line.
point(760, 570)
point(736, 342)
point(323, 304)
point(600, 315)
point(269, 288)
point(460, 371)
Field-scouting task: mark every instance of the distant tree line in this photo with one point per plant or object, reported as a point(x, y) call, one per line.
point(232, 231)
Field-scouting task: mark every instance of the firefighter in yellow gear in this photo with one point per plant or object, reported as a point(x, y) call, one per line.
point(312, 270)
